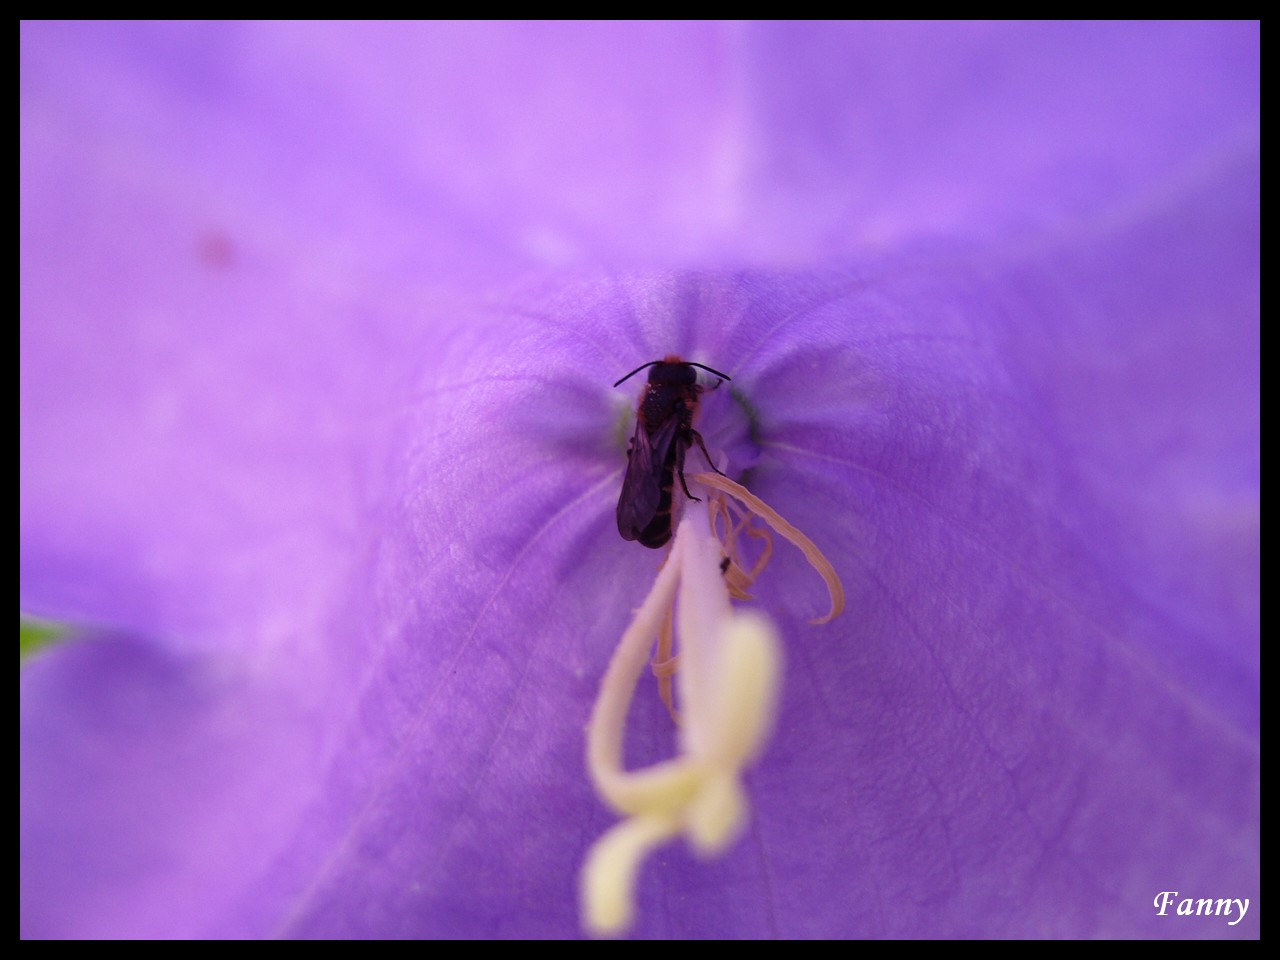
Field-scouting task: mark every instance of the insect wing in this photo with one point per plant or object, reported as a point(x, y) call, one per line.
point(642, 486)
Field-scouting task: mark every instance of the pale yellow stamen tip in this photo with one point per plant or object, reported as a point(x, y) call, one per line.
point(750, 665)
point(609, 875)
point(717, 814)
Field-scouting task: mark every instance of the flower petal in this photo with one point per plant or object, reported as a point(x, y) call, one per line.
point(332, 491)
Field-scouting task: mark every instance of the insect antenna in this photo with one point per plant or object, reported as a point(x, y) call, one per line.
point(637, 370)
point(688, 363)
point(722, 376)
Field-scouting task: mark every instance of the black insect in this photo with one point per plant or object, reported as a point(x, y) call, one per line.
point(664, 432)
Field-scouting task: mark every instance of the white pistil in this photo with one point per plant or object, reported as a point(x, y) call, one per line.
point(730, 665)
point(729, 668)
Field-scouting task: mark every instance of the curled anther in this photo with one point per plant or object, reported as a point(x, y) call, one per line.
point(737, 521)
point(770, 516)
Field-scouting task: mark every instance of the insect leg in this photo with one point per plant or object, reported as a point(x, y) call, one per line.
point(681, 447)
point(711, 463)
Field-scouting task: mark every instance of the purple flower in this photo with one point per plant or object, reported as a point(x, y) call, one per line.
point(319, 460)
